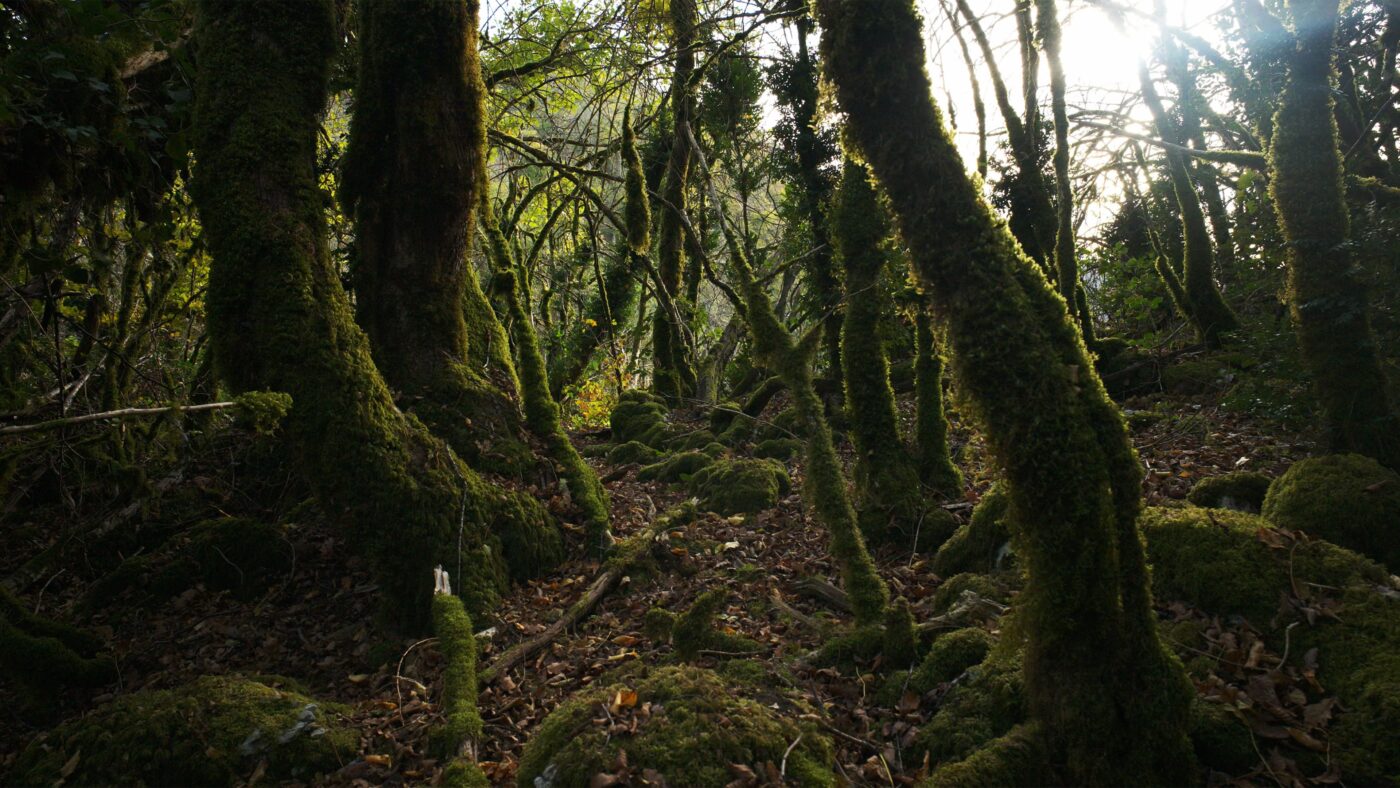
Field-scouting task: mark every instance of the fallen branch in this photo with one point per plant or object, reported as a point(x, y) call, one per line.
point(825, 592)
point(112, 414)
point(626, 556)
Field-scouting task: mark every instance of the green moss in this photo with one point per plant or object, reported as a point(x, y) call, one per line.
point(639, 417)
point(740, 486)
point(658, 624)
point(262, 412)
point(723, 415)
point(1222, 740)
point(693, 440)
point(1347, 499)
point(633, 453)
point(215, 731)
point(1242, 491)
point(952, 590)
point(240, 555)
point(42, 653)
point(1017, 758)
point(1195, 376)
point(950, 656)
point(852, 649)
point(676, 468)
point(778, 448)
point(982, 544)
point(984, 706)
point(698, 725)
point(694, 630)
point(901, 642)
point(457, 642)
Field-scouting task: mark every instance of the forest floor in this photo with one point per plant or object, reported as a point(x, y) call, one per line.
point(317, 624)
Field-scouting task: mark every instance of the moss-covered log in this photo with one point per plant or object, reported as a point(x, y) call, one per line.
point(888, 495)
point(455, 740)
point(412, 171)
point(1110, 701)
point(279, 319)
point(1192, 284)
point(541, 411)
point(1325, 292)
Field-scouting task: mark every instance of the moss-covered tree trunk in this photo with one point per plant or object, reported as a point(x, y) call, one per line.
point(673, 377)
point(1325, 293)
point(888, 496)
point(935, 460)
point(1105, 695)
point(416, 155)
point(280, 320)
point(1066, 264)
point(1192, 284)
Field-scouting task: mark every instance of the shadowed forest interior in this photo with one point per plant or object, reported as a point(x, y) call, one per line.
point(726, 393)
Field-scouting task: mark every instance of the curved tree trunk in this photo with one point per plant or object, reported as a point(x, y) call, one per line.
point(935, 462)
point(1104, 694)
point(280, 320)
point(1325, 294)
point(416, 154)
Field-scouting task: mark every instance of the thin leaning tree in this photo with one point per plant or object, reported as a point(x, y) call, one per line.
point(1108, 703)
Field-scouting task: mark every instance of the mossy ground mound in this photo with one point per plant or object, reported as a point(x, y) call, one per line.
point(1231, 563)
point(778, 448)
point(214, 731)
point(986, 586)
point(740, 486)
point(676, 468)
point(951, 654)
point(691, 725)
point(987, 704)
point(1242, 491)
point(1347, 499)
point(633, 453)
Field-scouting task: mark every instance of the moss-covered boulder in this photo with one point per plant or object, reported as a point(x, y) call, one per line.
point(951, 654)
point(676, 468)
point(690, 726)
point(639, 416)
point(740, 486)
point(1347, 499)
point(1242, 491)
point(983, 544)
point(633, 453)
point(986, 586)
point(692, 441)
point(778, 448)
point(1231, 563)
point(215, 731)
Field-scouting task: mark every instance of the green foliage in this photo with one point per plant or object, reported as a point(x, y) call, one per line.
point(214, 731)
point(698, 726)
point(740, 486)
point(952, 653)
point(1239, 490)
point(1347, 499)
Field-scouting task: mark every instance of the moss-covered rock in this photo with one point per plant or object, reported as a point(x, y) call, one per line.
point(723, 414)
point(1242, 491)
point(639, 416)
point(695, 726)
point(214, 731)
point(690, 441)
point(982, 545)
point(633, 453)
point(1222, 562)
point(1347, 499)
point(953, 588)
point(740, 486)
point(676, 468)
point(1221, 739)
point(951, 654)
point(778, 448)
